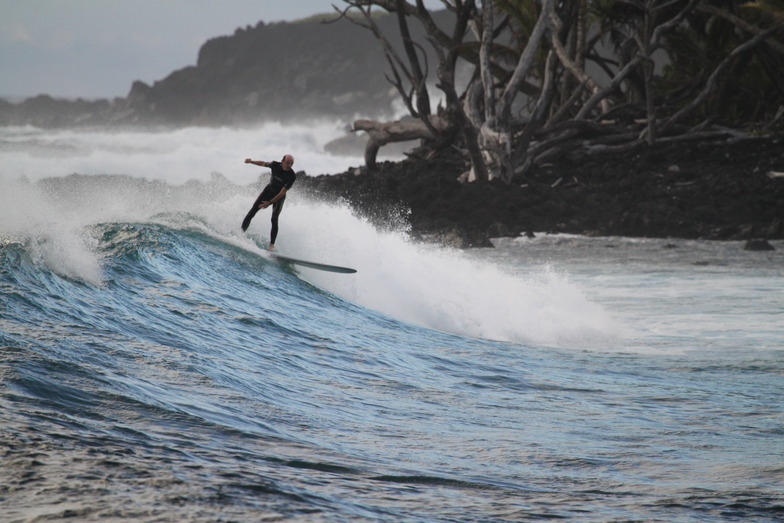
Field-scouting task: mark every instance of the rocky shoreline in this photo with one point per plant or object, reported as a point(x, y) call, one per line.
point(717, 190)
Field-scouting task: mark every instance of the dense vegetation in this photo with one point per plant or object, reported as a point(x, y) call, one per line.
point(525, 81)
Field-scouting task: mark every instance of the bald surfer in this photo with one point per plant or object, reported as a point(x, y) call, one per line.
point(273, 194)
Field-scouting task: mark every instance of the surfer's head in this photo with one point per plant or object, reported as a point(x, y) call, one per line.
point(287, 162)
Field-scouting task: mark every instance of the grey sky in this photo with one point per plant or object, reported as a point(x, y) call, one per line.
point(97, 48)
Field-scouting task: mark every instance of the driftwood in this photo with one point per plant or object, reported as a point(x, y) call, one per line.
point(382, 133)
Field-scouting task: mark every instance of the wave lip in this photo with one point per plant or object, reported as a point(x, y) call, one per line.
point(61, 222)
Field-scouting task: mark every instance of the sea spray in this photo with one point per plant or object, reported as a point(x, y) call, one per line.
point(174, 155)
point(438, 287)
point(195, 179)
point(424, 284)
point(52, 231)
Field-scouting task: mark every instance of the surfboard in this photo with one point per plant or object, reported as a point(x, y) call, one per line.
point(314, 265)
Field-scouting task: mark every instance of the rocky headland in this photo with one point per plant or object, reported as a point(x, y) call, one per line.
point(280, 71)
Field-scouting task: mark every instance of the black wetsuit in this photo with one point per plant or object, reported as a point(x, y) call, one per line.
point(279, 180)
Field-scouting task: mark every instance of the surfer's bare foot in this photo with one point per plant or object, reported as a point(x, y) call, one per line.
point(271, 247)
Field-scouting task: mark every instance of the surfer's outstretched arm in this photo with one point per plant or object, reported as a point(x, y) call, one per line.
point(257, 162)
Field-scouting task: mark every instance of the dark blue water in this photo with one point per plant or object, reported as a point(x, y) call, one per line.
point(198, 380)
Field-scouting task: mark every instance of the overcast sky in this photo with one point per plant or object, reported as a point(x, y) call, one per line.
point(97, 48)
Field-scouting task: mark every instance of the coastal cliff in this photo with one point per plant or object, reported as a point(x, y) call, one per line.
point(280, 71)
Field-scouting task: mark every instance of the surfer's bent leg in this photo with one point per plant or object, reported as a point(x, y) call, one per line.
point(264, 196)
point(248, 217)
point(276, 208)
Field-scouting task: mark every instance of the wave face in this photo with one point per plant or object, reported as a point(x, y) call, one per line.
point(157, 364)
point(433, 287)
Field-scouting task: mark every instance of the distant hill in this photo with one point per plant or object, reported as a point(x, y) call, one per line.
point(270, 71)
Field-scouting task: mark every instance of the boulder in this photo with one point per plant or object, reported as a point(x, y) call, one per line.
point(758, 245)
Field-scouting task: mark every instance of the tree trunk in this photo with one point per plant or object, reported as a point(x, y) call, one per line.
point(495, 133)
point(382, 133)
point(648, 71)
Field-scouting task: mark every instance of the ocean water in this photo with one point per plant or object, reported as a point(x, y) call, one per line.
point(157, 365)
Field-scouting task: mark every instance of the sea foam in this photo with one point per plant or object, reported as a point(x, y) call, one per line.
point(196, 179)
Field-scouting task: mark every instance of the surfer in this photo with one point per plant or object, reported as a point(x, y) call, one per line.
point(274, 193)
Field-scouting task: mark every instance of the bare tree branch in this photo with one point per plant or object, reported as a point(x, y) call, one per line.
point(710, 85)
point(526, 60)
